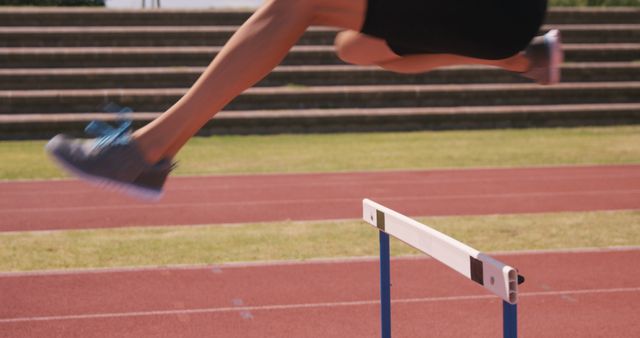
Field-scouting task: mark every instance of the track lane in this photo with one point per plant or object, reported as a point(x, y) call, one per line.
point(566, 294)
point(69, 204)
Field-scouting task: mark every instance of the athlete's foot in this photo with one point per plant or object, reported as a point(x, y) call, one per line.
point(545, 57)
point(112, 160)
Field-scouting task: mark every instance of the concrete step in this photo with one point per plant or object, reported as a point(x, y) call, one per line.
point(96, 57)
point(55, 64)
point(325, 97)
point(28, 16)
point(594, 15)
point(79, 36)
point(356, 119)
point(589, 52)
point(61, 16)
point(598, 33)
point(133, 36)
point(52, 57)
point(327, 75)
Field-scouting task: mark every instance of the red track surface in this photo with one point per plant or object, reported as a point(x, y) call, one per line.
point(47, 205)
point(579, 294)
point(571, 294)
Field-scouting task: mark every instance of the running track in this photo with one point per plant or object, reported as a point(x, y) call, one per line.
point(577, 294)
point(69, 204)
point(567, 294)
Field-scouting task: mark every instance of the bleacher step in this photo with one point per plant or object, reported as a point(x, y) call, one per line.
point(323, 97)
point(348, 120)
point(61, 67)
point(61, 16)
point(127, 36)
point(67, 57)
point(179, 77)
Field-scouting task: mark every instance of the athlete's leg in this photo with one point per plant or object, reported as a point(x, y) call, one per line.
point(253, 51)
point(357, 48)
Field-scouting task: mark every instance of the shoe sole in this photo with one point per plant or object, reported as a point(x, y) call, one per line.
point(556, 57)
point(105, 183)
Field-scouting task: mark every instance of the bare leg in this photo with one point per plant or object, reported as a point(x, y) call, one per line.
point(253, 51)
point(141, 167)
point(423, 63)
point(357, 48)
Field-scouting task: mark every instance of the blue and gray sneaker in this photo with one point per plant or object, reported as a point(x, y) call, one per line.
point(111, 160)
point(545, 55)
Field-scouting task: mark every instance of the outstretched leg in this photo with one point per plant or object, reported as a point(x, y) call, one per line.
point(141, 162)
point(253, 51)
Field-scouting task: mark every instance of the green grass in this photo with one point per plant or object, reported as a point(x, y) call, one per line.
point(370, 151)
point(157, 246)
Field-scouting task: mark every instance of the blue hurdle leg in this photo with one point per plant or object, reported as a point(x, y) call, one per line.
point(385, 285)
point(510, 320)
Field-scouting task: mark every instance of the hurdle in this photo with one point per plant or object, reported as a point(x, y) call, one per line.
point(500, 279)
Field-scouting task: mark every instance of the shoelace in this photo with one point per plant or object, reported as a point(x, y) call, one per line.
point(106, 134)
point(120, 135)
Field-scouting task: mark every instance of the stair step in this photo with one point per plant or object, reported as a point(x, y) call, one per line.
point(61, 16)
point(324, 97)
point(157, 36)
point(598, 33)
point(57, 65)
point(49, 57)
point(341, 120)
point(602, 15)
point(67, 57)
point(182, 77)
point(602, 52)
point(149, 36)
point(28, 16)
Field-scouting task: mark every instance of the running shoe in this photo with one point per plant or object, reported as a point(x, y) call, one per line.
point(546, 56)
point(151, 181)
point(111, 160)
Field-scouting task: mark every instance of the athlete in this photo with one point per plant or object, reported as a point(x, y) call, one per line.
point(405, 36)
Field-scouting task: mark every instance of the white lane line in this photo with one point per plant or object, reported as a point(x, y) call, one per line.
point(121, 207)
point(276, 307)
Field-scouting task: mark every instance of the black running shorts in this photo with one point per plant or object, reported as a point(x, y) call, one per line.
point(485, 29)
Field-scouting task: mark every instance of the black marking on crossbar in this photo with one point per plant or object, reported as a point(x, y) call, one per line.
point(476, 270)
point(520, 279)
point(380, 219)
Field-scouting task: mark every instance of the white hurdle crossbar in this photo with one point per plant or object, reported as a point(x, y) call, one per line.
point(497, 277)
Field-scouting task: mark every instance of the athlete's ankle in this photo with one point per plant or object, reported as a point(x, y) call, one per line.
point(150, 152)
point(518, 63)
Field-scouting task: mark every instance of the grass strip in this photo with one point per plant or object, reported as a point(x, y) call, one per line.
point(370, 151)
point(158, 246)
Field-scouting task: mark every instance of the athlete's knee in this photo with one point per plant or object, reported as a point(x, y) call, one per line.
point(357, 48)
point(349, 48)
